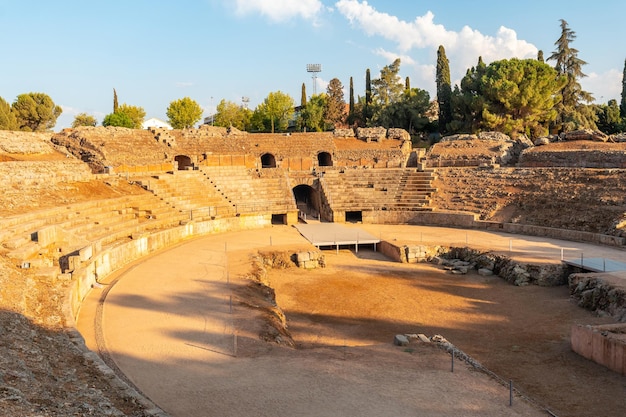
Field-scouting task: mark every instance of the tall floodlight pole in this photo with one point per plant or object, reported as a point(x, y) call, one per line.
point(314, 69)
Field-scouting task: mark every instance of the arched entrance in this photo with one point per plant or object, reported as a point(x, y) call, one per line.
point(184, 162)
point(307, 200)
point(268, 161)
point(324, 159)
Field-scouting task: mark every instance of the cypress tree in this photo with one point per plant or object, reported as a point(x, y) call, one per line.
point(622, 106)
point(115, 104)
point(444, 90)
point(351, 109)
point(407, 84)
point(540, 56)
point(303, 96)
point(368, 96)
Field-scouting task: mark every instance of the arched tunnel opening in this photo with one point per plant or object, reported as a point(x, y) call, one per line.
point(308, 201)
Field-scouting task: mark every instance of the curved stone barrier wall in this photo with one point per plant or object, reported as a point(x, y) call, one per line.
point(110, 260)
point(470, 221)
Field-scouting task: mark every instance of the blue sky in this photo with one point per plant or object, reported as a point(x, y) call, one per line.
point(155, 51)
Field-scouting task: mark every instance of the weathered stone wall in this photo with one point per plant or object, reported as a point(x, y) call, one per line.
point(32, 173)
point(105, 262)
point(25, 143)
point(117, 147)
point(486, 148)
point(573, 159)
point(588, 200)
point(101, 147)
point(599, 293)
point(564, 234)
point(463, 259)
point(605, 345)
point(450, 219)
point(310, 259)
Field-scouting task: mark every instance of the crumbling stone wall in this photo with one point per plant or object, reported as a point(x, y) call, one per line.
point(582, 199)
point(573, 158)
point(102, 147)
point(25, 143)
point(461, 260)
point(486, 148)
point(599, 293)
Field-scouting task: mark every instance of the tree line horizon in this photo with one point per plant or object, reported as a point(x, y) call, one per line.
point(514, 96)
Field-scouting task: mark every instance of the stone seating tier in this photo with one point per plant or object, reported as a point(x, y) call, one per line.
point(251, 191)
point(101, 221)
point(384, 189)
point(189, 191)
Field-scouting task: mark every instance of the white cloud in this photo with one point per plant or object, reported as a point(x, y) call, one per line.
point(71, 111)
point(280, 10)
point(321, 85)
point(392, 56)
point(462, 48)
point(605, 86)
point(422, 75)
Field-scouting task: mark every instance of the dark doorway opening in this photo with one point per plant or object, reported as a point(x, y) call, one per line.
point(184, 162)
point(279, 218)
point(354, 216)
point(307, 200)
point(268, 161)
point(324, 159)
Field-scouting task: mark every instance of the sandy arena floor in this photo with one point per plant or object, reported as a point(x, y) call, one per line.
point(177, 326)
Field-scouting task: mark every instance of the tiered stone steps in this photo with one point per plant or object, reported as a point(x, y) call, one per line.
point(378, 189)
point(191, 192)
point(98, 222)
point(265, 191)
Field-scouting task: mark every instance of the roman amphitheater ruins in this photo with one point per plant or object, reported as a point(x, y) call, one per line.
point(216, 272)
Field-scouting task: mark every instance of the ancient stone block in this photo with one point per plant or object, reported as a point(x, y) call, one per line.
point(302, 257)
point(368, 134)
point(85, 253)
point(344, 133)
point(423, 338)
point(400, 340)
point(398, 134)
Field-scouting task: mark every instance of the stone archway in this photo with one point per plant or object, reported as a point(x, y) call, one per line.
point(184, 162)
point(308, 201)
point(268, 161)
point(324, 159)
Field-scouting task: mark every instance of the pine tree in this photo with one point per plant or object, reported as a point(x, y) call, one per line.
point(115, 104)
point(572, 112)
point(303, 96)
point(622, 106)
point(468, 102)
point(444, 90)
point(388, 88)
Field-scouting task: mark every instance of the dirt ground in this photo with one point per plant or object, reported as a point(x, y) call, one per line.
point(173, 336)
point(519, 333)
